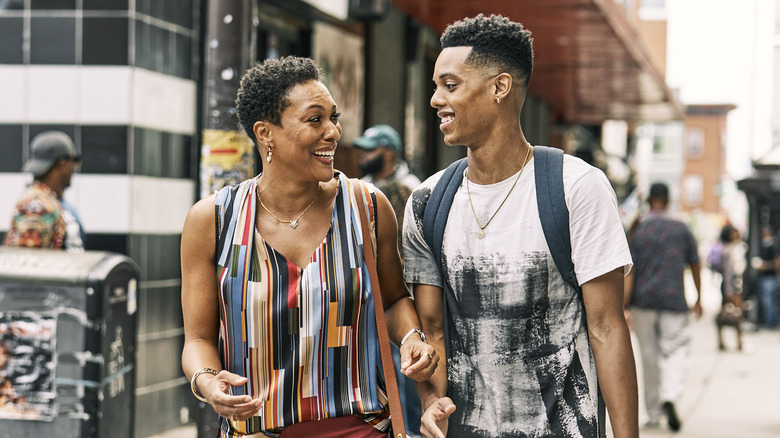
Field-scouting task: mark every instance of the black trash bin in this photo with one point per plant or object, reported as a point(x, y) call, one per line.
point(67, 343)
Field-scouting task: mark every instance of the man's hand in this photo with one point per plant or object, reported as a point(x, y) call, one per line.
point(697, 311)
point(435, 420)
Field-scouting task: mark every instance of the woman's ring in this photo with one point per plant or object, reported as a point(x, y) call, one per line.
point(429, 356)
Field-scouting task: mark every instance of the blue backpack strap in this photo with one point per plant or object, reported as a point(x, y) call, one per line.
point(438, 207)
point(553, 213)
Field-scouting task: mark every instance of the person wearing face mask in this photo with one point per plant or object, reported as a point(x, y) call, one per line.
point(380, 162)
point(380, 158)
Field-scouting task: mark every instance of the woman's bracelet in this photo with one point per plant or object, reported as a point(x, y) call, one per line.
point(194, 386)
point(411, 332)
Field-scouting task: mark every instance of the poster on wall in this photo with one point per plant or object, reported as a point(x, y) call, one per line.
point(227, 158)
point(27, 366)
point(340, 56)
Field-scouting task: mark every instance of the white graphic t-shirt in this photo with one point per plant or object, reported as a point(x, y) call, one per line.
point(512, 321)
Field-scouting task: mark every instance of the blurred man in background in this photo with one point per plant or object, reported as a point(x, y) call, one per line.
point(380, 160)
point(41, 217)
point(662, 248)
point(381, 164)
point(767, 278)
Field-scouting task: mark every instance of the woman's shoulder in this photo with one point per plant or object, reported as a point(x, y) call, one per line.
point(200, 218)
point(224, 194)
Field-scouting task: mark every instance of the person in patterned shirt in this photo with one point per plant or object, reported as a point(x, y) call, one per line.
point(42, 218)
point(662, 248)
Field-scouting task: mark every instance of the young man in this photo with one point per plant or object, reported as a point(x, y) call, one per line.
point(42, 218)
point(513, 324)
point(663, 248)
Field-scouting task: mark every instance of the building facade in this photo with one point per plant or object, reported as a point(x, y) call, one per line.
point(704, 154)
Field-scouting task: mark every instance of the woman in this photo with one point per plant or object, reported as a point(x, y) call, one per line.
point(278, 319)
point(733, 266)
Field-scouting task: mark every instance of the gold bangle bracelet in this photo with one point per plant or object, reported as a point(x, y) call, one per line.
point(194, 387)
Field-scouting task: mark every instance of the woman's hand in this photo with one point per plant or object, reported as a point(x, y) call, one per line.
point(418, 359)
point(233, 407)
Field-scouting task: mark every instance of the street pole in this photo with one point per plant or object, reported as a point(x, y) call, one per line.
point(226, 152)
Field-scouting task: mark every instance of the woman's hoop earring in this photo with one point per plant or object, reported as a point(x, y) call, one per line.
point(498, 100)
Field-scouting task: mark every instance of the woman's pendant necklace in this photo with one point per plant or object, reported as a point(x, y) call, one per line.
point(294, 222)
point(480, 234)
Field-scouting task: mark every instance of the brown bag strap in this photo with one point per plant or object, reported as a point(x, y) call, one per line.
point(396, 415)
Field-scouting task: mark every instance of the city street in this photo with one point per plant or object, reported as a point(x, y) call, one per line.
point(729, 394)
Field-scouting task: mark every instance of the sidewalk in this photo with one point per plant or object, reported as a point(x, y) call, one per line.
point(729, 394)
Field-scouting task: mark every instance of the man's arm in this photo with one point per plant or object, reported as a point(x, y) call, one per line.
point(418, 359)
point(628, 289)
point(611, 343)
point(777, 256)
point(696, 273)
point(436, 406)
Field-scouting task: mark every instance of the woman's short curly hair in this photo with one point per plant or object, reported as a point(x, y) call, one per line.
point(265, 87)
point(496, 43)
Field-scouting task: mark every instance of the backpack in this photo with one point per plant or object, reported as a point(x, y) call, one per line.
point(715, 257)
point(551, 202)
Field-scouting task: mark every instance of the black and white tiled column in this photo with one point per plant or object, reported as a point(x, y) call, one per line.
point(119, 76)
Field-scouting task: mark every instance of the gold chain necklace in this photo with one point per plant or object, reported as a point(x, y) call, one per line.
point(481, 232)
point(294, 222)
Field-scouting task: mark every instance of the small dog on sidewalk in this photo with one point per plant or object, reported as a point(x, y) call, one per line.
point(732, 314)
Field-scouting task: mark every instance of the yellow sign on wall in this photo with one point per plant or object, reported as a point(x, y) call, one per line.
point(226, 159)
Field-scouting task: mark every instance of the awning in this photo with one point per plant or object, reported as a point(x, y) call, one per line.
point(765, 179)
point(590, 64)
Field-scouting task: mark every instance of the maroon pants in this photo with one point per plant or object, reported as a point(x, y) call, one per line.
point(350, 426)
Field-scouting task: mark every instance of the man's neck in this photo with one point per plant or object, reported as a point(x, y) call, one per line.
point(500, 154)
point(493, 163)
point(386, 172)
point(58, 190)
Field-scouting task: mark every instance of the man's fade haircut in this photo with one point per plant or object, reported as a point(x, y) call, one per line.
point(265, 87)
point(496, 43)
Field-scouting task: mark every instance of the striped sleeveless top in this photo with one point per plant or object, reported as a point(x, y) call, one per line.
point(305, 339)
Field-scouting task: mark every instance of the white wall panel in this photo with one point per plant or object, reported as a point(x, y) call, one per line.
point(102, 202)
point(13, 184)
point(160, 205)
point(115, 204)
point(13, 93)
point(105, 97)
point(53, 92)
point(97, 95)
point(164, 103)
